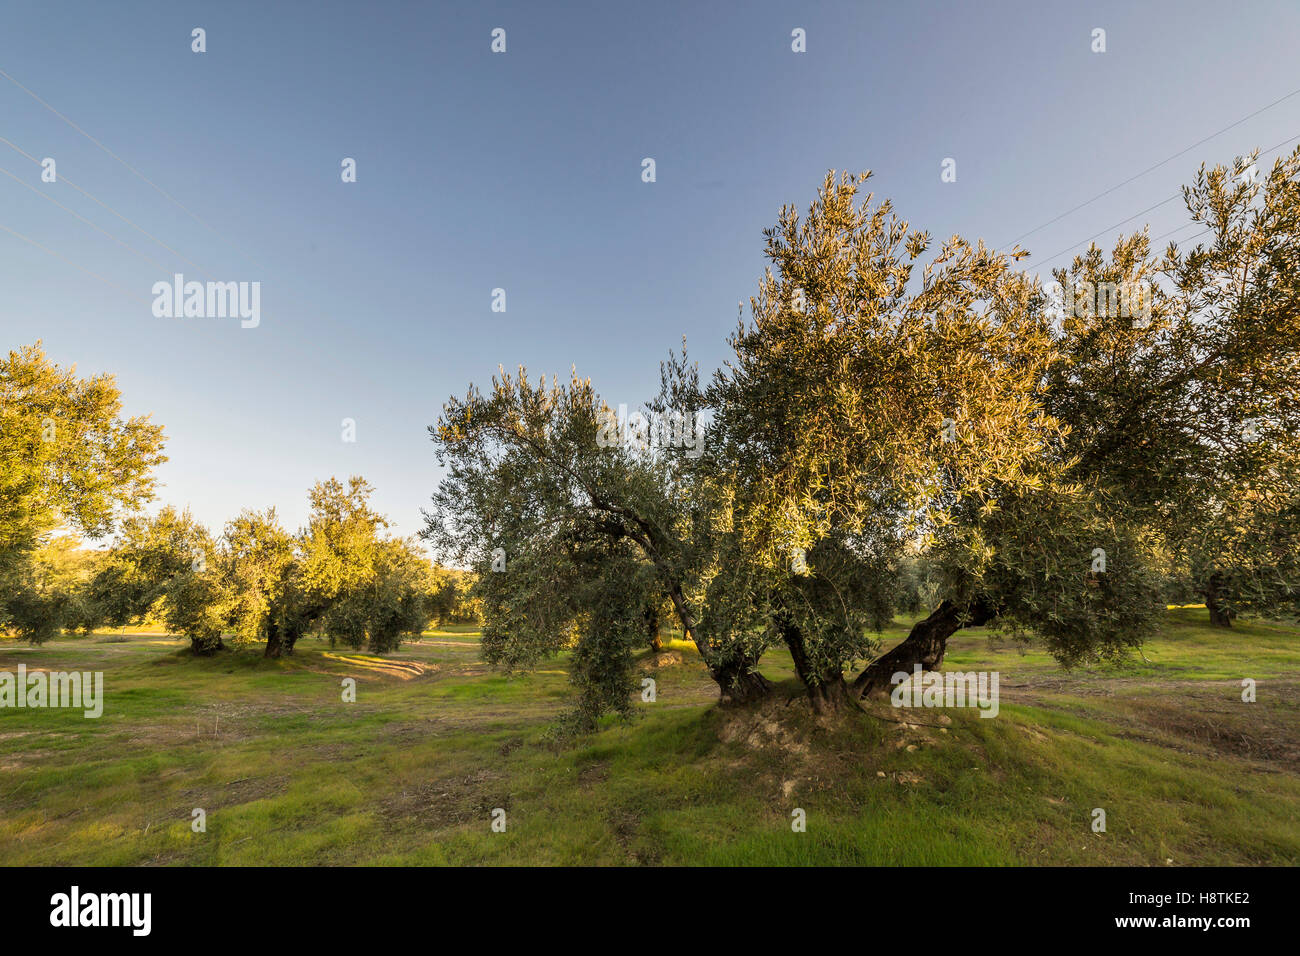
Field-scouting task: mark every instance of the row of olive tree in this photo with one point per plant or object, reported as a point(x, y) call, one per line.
point(1050, 467)
point(340, 576)
point(72, 466)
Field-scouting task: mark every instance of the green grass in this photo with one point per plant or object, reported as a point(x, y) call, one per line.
point(409, 774)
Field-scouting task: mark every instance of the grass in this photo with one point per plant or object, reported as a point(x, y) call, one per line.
point(287, 773)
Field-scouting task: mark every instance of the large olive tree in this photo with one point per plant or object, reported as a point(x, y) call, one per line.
point(877, 402)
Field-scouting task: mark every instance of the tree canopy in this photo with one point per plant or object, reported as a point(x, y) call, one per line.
point(1055, 457)
point(68, 460)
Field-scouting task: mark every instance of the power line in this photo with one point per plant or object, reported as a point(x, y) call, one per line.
point(1181, 152)
point(133, 225)
point(133, 170)
point(59, 255)
point(1116, 226)
point(96, 275)
point(1186, 225)
point(1162, 202)
point(47, 198)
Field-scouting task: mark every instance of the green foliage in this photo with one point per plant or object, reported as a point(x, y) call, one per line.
point(451, 600)
point(1032, 560)
point(612, 628)
point(389, 604)
point(51, 591)
point(553, 518)
point(165, 565)
point(259, 582)
point(891, 430)
point(862, 402)
point(1190, 418)
point(358, 585)
point(865, 411)
point(67, 460)
point(257, 561)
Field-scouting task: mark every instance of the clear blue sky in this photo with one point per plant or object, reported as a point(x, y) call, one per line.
point(523, 171)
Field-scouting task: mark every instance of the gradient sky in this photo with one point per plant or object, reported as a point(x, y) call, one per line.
point(523, 171)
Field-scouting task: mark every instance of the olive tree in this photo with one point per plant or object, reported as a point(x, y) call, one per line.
point(1184, 401)
point(69, 460)
point(879, 404)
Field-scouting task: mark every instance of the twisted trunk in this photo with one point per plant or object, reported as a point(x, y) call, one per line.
point(206, 646)
point(924, 645)
point(828, 692)
point(1218, 616)
point(652, 627)
point(738, 680)
point(291, 635)
point(273, 643)
point(1213, 594)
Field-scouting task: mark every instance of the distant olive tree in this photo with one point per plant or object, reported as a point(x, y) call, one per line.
point(166, 566)
point(69, 461)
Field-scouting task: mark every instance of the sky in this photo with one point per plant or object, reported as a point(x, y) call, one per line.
point(523, 171)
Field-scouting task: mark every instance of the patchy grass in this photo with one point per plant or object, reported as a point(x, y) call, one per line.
point(288, 773)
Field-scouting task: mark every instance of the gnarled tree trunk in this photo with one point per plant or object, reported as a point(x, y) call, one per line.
point(652, 627)
point(738, 680)
point(924, 645)
point(206, 646)
point(827, 690)
point(1213, 594)
point(273, 643)
point(291, 635)
point(1218, 616)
